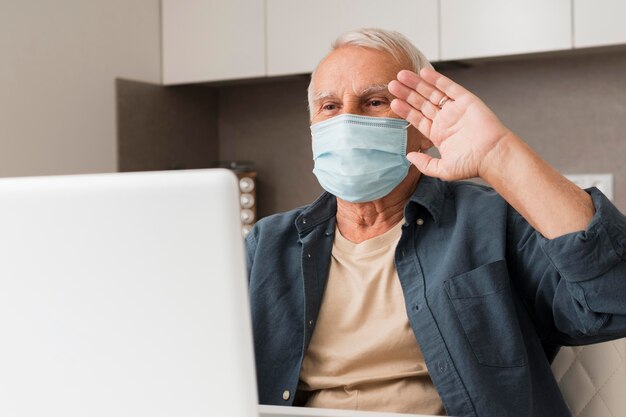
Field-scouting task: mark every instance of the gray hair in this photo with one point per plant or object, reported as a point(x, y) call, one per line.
point(394, 43)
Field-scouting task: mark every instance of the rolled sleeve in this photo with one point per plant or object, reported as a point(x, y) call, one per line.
point(585, 255)
point(592, 266)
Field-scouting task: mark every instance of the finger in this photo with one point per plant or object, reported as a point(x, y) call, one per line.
point(412, 115)
point(424, 88)
point(425, 163)
point(443, 83)
point(412, 97)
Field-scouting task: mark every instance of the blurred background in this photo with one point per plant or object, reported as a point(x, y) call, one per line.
point(130, 85)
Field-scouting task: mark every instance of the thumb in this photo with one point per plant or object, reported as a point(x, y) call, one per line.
point(425, 163)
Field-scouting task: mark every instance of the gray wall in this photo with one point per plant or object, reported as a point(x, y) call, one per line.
point(166, 128)
point(570, 108)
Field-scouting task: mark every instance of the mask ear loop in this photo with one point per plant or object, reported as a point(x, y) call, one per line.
point(407, 128)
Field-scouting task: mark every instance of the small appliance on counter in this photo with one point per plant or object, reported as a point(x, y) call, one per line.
point(247, 191)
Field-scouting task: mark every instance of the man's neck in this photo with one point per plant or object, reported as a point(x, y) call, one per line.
point(359, 222)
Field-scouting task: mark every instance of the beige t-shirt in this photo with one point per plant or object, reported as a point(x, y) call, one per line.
point(363, 354)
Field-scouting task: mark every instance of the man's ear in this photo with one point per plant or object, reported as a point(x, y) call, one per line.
point(417, 141)
point(425, 144)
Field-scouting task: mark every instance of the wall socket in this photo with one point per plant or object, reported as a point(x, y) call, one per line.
point(604, 182)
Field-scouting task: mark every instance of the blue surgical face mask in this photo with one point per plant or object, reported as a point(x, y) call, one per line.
point(360, 158)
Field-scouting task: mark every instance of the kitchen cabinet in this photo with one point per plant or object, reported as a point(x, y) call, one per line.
point(300, 32)
point(214, 40)
point(209, 40)
point(599, 23)
point(482, 28)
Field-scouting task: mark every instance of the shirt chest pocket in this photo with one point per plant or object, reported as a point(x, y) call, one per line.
point(484, 305)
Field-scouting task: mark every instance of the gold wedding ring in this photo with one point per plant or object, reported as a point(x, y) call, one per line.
point(443, 101)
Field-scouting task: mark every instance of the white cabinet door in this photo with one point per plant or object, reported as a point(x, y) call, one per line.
point(599, 22)
point(300, 32)
point(481, 28)
point(208, 40)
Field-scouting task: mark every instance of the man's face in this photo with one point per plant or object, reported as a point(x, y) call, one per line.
point(354, 80)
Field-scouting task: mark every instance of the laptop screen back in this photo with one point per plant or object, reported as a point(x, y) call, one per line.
point(124, 295)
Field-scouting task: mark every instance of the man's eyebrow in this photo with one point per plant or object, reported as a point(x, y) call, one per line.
point(370, 89)
point(373, 89)
point(322, 95)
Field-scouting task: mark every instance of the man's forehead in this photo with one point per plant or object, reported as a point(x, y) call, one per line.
point(354, 71)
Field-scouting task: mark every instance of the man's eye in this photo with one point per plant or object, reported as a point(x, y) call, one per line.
point(329, 106)
point(376, 103)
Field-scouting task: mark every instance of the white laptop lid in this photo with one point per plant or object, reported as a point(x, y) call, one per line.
point(124, 295)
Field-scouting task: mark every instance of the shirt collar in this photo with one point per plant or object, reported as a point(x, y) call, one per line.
point(430, 193)
point(320, 211)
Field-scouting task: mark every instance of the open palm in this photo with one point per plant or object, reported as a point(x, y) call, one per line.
point(464, 130)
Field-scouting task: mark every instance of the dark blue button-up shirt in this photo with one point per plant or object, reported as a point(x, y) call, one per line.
point(489, 299)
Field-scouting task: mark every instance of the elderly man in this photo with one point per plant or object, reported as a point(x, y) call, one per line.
point(402, 289)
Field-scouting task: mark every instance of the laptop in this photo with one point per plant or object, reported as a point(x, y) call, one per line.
point(126, 295)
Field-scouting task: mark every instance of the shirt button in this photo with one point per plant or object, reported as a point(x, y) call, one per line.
point(308, 255)
point(420, 222)
point(303, 221)
point(286, 394)
point(310, 323)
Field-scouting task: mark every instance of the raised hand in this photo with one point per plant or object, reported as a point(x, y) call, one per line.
point(465, 131)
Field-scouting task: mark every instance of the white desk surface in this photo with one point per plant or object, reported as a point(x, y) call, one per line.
point(280, 411)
